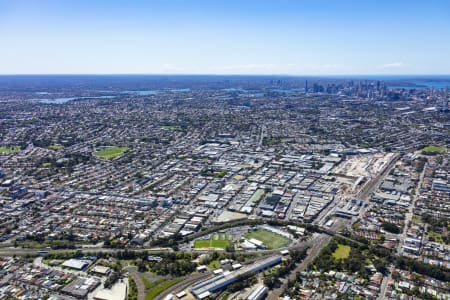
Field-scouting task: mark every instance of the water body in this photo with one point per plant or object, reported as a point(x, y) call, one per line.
point(44, 93)
point(180, 90)
point(434, 84)
point(399, 87)
point(411, 85)
point(67, 99)
point(137, 92)
point(254, 93)
point(259, 95)
point(141, 93)
point(282, 91)
point(234, 90)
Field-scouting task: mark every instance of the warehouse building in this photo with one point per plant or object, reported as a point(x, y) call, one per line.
point(206, 288)
point(76, 264)
point(80, 287)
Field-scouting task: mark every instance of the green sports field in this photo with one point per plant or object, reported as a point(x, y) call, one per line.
point(270, 240)
point(55, 147)
point(218, 240)
point(222, 237)
point(111, 152)
point(342, 251)
point(10, 149)
point(174, 128)
point(434, 149)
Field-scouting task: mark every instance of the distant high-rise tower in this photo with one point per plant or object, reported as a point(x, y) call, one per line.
point(445, 104)
point(306, 86)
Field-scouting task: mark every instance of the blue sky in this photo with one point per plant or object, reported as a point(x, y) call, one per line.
point(315, 37)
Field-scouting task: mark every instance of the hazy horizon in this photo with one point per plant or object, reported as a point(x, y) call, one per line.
point(343, 76)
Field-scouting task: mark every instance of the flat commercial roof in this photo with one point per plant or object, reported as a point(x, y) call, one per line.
point(101, 270)
point(229, 216)
point(75, 264)
point(117, 292)
point(80, 287)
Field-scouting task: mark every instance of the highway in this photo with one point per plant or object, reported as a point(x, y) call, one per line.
point(10, 251)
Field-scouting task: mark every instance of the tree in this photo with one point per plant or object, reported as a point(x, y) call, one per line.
point(107, 243)
point(141, 265)
point(381, 265)
point(392, 228)
point(230, 247)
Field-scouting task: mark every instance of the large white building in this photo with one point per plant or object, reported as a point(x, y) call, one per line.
point(206, 288)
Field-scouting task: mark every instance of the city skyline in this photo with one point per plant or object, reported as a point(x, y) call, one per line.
point(323, 38)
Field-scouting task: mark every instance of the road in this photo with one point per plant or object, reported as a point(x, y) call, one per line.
point(384, 284)
point(10, 251)
point(409, 214)
point(139, 283)
point(261, 138)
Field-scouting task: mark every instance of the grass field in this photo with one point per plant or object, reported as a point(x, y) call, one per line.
point(434, 149)
point(436, 236)
point(214, 265)
point(218, 240)
point(210, 243)
point(174, 128)
point(222, 237)
point(55, 147)
point(151, 284)
point(342, 251)
point(158, 289)
point(111, 152)
point(270, 240)
point(10, 149)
